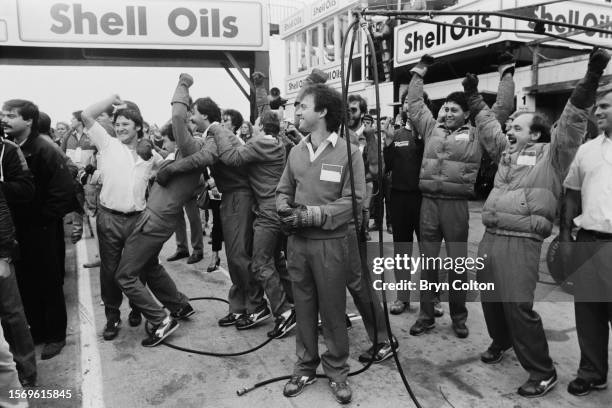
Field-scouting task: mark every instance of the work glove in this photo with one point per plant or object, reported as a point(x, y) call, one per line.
point(470, 84)
point(165, 173)
point(506, 63)
point(583, 95)
point(303, 217)
point(144, 149)
point(425, 62)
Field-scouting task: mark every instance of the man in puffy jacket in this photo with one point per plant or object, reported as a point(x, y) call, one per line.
point(451, 158)
point(518, 216)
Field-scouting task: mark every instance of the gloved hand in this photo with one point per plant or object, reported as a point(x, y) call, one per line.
point(598, 61)
point(144, 149)
point(303, 217)
point(77, 231)
point(165, 173)
point(90, 169)
point(425, 62)
point(470, 84)
point(506, 63)
point(185, 79)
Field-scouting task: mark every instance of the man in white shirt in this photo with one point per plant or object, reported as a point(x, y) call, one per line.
point(122, 198)
point(587, 203)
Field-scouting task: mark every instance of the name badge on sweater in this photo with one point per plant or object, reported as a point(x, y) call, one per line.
point(463, 136)
point(526, 159)
point(331, 172)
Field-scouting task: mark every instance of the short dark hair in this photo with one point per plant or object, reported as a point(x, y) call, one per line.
point(26, 109)
point(539, 123)
point(167, 131)
point(275, 92)
point(235, 117)
point(363, 105)
point(133, 115)
point(77, 115)
point(326, 98)
point(44, 123)
point(460, 99)
point(270, 123)
point(208, 107)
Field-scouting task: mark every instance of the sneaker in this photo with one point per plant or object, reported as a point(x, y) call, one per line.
point(384, 352)
point(177, 255)
point(422, 326)
point(580, 386)
point(460, 330)
point(160, 332)
point(230, 319)
point(51, 350)
point(183, 313)
point(537, 388)
point(111, 330)
point(296, 384)
point(493, 355)
point(252, 319)
point(195, 258)
point(283, 326)
point(342, 391)
point(134, 318)
point(438, 311)
point(398, 307)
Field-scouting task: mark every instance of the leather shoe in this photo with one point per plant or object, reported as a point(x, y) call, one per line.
point(177, 255)
point(460, 330)
point(111, 330)
point(51, 350)
point(398, 307)
point(422, 326)
point(29, 381)
point(580, 386)
point(134, 318)
point(194, 258)
point(493, 355)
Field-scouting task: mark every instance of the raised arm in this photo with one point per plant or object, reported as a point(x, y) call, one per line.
point(504, 103)
point(185, 142)
point(489, 131)
point(96, 132)
point(569, 132)
point(420, 115)
point(236, 154)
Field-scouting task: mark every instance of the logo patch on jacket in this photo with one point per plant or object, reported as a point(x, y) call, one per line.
point(404, 143)
point(526, 159)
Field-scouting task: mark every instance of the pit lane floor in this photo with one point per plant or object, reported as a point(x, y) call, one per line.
point(444, 371)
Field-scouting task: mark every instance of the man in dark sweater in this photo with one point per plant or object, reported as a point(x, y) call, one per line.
point(314, 200)
point(40, 228)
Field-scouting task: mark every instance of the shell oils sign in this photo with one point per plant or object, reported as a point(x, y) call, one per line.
point(224, 25)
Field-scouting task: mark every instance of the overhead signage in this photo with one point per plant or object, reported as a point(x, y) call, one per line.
point(222, 25)
point(413, 40)
point(293, 85)
point(316, 11)
point(585, 13)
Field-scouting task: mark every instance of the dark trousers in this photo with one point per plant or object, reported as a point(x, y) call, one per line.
point(364, 296)
point(280, 262)
point(266, 238)
point(318, 271)
point(216, 235)
point(195, 228)
point(449, 220)
point(40, 276)
point(113, 231)
point(377, 211)
point(511, 264)
point(15, 326)
point(593, 303)
point(140, 261)
point(246, 294)
point(405, 214)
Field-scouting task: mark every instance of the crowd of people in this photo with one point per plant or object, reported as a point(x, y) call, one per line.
point(282, 196)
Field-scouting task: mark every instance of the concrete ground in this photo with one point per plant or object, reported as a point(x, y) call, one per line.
point(443, 371)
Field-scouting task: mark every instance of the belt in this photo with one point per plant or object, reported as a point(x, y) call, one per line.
point(600, 235)
point(124, 214)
